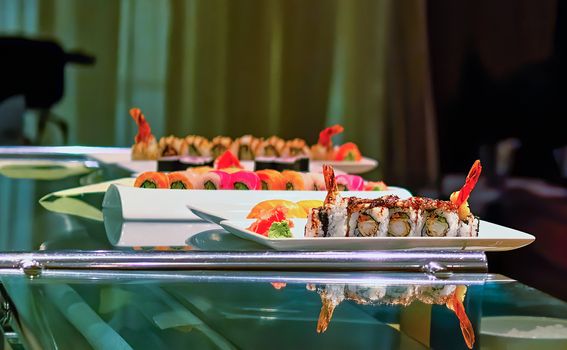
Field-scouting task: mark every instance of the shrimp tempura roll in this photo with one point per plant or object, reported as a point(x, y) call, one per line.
point(392, 216)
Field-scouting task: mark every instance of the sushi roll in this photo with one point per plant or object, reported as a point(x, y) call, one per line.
point(219, 145)
point(296, 148)
point(195, 179)
point(442, 222)
point(213, 180)
point(152, 179)
point(308, 183)
point(271, 147)
point(244, 180)
point(400, 294)
point(196, 146)
point(296, 181)
point(468, 227)
point(328, 221)
point(348, 152)
point(195, 174)
point(388, 215)
point(365, 294)
point(179, 180)
point(271, 180)
point(350, 182)
point(318, 181)
point(245, 147)
point(170, 146)
point(469, 224)
point(145, 145)
point(435, 293)
point(406, 218)
point(368, 221)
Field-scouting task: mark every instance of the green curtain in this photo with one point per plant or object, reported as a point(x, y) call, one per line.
point(230, 67)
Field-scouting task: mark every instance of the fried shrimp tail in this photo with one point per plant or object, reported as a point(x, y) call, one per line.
point(470, 183)
point(327, 309)
point(326, 134)
point(455, 303)
point(144, 130)
point(330, 183)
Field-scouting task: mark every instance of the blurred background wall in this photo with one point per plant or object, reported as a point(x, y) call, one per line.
point(211, 67)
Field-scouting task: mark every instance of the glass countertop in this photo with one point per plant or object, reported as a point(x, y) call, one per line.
point(251, 310)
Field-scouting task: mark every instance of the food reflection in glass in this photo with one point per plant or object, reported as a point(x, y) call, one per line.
point(450, 295)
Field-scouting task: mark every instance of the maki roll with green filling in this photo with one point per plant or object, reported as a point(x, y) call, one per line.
point(196, 146)
point(271, 147)
point(245, 147)
point(170, 146)
point(296, 148)
point(219, 145)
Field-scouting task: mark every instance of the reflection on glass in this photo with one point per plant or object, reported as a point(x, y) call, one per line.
point(450, 295)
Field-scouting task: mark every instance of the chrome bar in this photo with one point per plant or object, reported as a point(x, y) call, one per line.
point(210, 276)
point(435, 263)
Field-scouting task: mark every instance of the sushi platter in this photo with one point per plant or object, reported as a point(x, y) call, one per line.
point(179, 153)
point(357, 223)
point(491, 237)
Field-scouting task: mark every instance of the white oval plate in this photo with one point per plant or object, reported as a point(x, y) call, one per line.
point(491, 237)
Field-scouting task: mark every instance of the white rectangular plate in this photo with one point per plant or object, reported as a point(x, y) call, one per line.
point(216, 206)
point(122, 156)
point(491, 237)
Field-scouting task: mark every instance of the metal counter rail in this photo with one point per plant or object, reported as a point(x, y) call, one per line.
point(435, 263)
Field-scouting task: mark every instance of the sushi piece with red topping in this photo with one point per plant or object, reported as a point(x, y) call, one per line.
point(348, 152)
point(227, 160)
